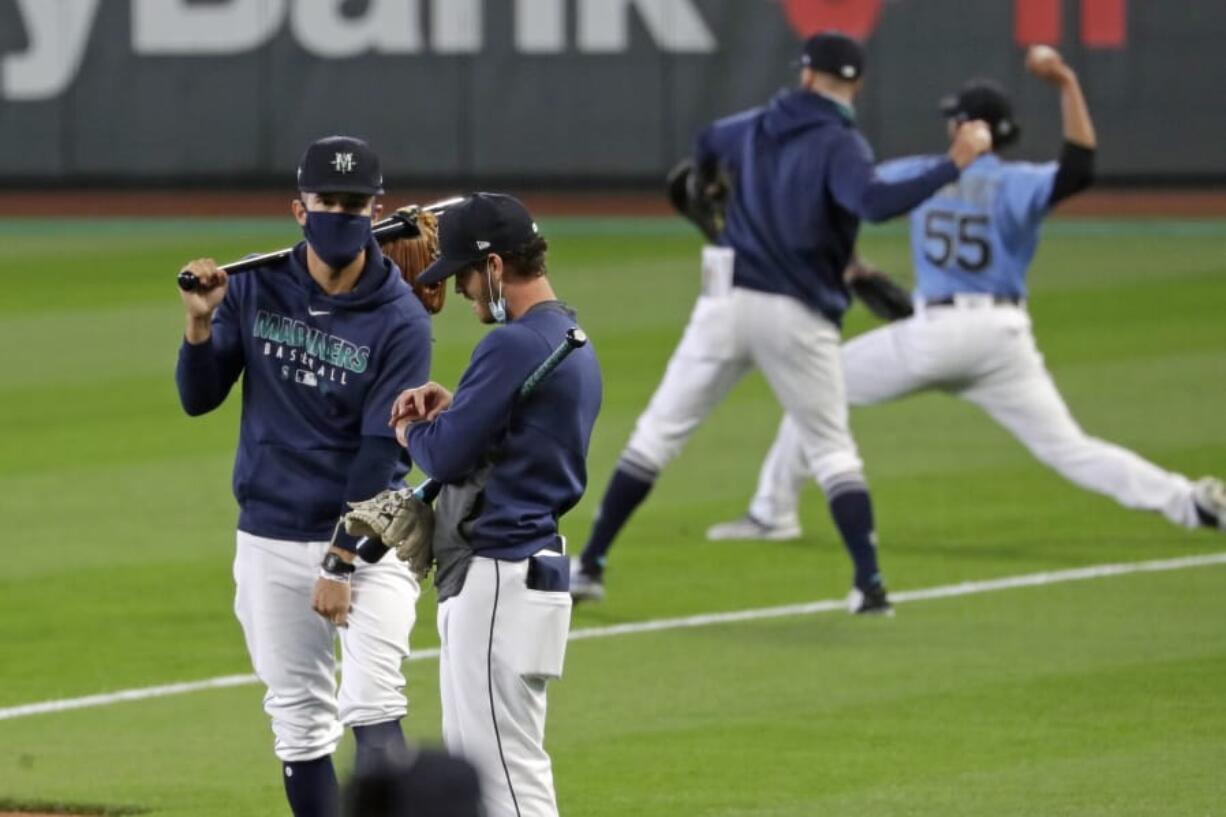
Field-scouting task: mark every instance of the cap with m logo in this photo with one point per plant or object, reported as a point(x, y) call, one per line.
point(340, 164)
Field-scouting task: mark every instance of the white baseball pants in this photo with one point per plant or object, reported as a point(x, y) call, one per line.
point(986, 354)
point(796, 349)
point(292, 648)
point(501, 644)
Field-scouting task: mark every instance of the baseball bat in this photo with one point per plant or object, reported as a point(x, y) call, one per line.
point(428, 491)
point(398, 225)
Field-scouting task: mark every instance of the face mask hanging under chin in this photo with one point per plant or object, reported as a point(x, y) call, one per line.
point(498, 306)
point(337, 238)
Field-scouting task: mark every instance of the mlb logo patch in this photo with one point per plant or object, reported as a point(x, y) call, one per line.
point(306, 378)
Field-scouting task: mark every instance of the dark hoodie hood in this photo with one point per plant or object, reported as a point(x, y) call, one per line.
point(380, 282)
point(796, 110)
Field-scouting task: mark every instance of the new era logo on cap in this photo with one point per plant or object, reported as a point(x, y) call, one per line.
point(501, 220)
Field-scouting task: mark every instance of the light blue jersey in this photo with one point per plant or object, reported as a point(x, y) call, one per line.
point(978, 234)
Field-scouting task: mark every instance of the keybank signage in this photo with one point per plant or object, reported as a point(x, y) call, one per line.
point(58, 31)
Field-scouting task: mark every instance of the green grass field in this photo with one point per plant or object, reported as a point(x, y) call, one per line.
point(1091, 698)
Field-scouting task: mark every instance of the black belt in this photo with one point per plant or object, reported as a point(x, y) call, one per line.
point(1012, 300)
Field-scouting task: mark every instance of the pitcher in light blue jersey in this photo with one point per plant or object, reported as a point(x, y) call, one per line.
point(972, 245)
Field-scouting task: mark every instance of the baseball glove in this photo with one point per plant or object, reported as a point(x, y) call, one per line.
point(878, 292)
point(401, 521)
point(414, 254)
point(700, 200)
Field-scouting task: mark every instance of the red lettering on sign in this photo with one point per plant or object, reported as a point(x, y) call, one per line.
point(855, 17)
point(1037, 21)
point(1104, 23)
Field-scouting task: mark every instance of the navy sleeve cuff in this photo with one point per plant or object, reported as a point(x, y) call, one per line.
point(344, 541)
point(195, 354)
point(947, 171)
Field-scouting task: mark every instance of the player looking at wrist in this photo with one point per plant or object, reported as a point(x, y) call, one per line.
point(510, 466)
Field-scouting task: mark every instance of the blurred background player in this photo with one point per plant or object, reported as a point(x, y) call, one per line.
point(510, 469)
point(324, 341)
point(972, 245)
point(801, 178)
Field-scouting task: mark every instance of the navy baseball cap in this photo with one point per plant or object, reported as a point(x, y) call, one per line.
point(986, 100)
point(834, 53)
point(340, 164)
point(483, 223)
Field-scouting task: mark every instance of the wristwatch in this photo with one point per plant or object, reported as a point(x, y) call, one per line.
point(334, 565)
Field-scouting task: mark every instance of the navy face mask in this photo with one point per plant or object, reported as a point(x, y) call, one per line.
point(337, 238)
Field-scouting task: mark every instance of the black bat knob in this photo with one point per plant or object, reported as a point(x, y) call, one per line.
point(188, 282)
point(576, 337)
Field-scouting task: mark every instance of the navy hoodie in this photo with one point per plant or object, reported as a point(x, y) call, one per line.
point(802, 179)
point(536, 448)
point(320, 373)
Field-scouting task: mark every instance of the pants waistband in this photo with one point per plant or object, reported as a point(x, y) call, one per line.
point(557, 549)
point(973, 300)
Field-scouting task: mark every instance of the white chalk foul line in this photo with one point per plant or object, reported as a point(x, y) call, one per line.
point(1078, 574)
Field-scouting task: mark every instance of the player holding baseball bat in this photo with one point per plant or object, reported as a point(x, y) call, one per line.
point(324, 336)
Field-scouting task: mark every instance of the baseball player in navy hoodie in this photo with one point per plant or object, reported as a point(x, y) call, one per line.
point(511, 468)
point(802, 178)
point(323, 341)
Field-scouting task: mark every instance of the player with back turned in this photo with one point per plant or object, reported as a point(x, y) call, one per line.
point(323, 341)
point(801, 179)
point(511, 465)
point(971, 336)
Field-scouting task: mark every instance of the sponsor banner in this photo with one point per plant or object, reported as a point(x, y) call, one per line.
point(541, 90)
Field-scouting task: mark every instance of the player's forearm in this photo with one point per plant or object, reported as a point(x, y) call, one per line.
point(1078, 126)
point(443, 450)
point(884, 200)
point(370, 473)
point(203, 379)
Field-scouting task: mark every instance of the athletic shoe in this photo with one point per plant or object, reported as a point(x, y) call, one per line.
point(585, 585)
point(748, 527)
point(870, 602)
point(1209, 494)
